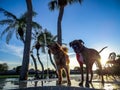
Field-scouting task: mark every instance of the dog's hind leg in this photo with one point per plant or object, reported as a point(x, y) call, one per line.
point(87, 76)
point(82, 75)
point(67, 70)
point(101, 71)
point(59, 77)
point(91, 72)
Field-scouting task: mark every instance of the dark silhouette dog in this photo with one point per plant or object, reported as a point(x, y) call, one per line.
point(89, 57)
point(61, 59)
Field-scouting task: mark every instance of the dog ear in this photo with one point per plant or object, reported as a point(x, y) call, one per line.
point(70, 44)
point(81, 41)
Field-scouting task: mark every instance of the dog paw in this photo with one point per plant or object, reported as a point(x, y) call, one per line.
point(69, 83)
point(87, 84)
point(81, 84)
point(90, 81)
point(59, 83)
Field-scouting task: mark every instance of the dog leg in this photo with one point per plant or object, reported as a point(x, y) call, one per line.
point(101, 71)
point(87, 76)
point(67, 70)
point(91, 72)
point(82, 76)
point(59, 77)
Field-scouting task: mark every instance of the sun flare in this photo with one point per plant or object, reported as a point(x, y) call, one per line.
point(104, 57)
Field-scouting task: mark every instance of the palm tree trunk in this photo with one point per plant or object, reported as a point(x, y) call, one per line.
point(59, 28)
point(49, 52)
point(34, 60)
point(40, 63)
point(26, 54)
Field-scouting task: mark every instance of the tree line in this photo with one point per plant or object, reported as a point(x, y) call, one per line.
point(3, 67)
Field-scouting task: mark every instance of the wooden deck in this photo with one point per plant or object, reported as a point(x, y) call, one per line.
point(56, 88)
point(50, 84)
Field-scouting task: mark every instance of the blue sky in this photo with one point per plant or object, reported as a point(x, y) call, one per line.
point(96, 22)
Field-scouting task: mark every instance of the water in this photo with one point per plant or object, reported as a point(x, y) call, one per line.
point(13, 83)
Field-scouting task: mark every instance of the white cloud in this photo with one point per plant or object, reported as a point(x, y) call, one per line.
point(1, 62)
point(12, 49)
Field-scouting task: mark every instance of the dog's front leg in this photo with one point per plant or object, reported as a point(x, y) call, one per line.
point(87, 76)
point(82, 75)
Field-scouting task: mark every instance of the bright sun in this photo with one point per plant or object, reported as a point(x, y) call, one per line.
point(104, 56)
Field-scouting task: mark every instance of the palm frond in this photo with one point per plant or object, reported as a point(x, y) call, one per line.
point(33, 36)
point(54, 38)
point(40, 37)
point(52, 5)
point(35, 25)
point(25, 15)
point(74, 1)
point(34, 13)
point(118, 56)
point(9, 36)
point(49, 37)
point(17, 35)
point(8, 14)
point(80, 1)
point(7, 21)
point(7, 30)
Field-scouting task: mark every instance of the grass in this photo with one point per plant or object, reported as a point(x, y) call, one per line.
point(9, 76)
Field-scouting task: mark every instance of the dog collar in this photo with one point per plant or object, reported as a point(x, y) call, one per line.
point(80, 58)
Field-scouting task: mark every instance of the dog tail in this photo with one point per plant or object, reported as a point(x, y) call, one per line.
point(65, 49)
point(102, 49)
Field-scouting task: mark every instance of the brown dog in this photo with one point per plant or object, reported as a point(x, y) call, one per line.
point(89, 57)
point(61, 59)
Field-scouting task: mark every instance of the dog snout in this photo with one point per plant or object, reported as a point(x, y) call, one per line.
point(75, 48)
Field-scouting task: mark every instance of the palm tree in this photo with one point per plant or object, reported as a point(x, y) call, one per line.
point(118, 56)
point(35, 63)
point(37, 46)
point(15, 24)
point(60, 4)
point(49, 39)
point(26, 55)
point(40, 44)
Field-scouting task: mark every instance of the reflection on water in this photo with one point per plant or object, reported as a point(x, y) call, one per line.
point(13, 83)
point(9, 83)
